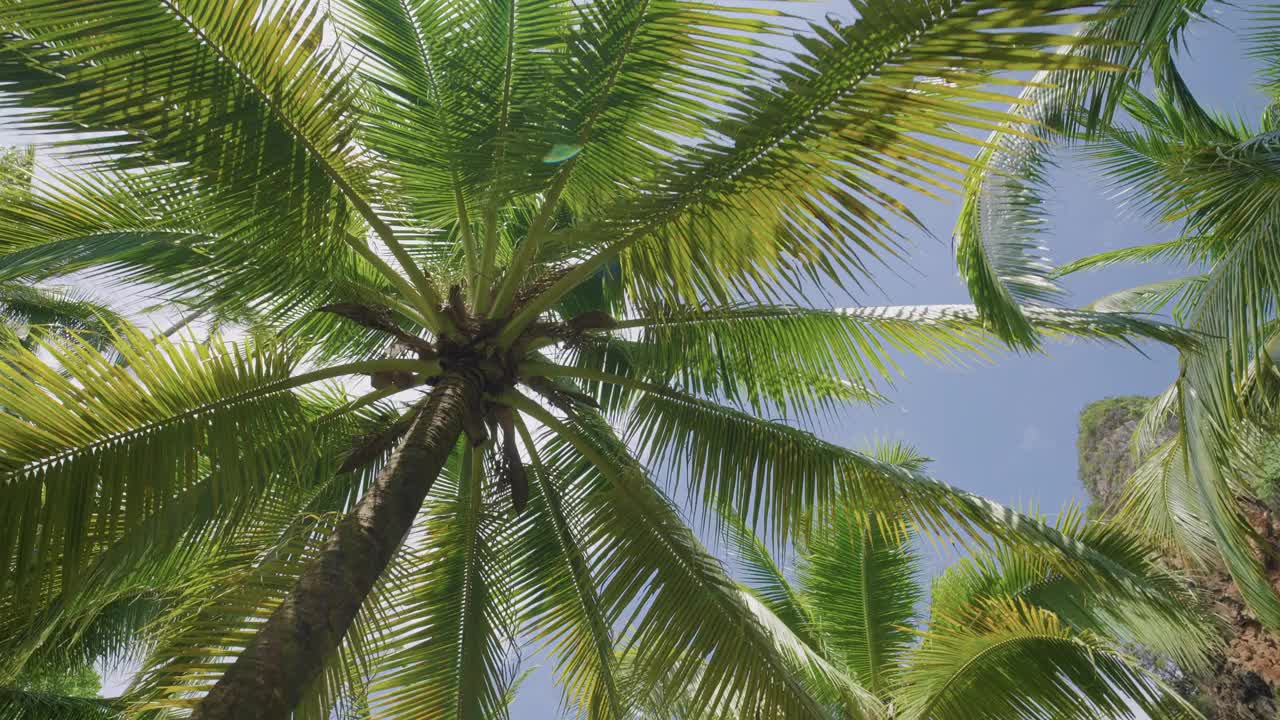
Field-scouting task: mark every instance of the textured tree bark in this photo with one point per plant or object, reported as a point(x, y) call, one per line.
point(267, 680)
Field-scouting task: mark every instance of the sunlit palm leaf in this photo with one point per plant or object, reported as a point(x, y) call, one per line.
point(451, 625)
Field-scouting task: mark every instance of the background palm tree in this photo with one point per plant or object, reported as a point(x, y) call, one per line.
point(24, 303)
point(1214, 177)
point(557, 238)
point(999, 634)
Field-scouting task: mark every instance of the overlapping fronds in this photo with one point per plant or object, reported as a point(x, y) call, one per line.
point(1216, 177)
point(856, 596)
point(28, 309)
point(233, 101)
point(764, 578)
point(797, 361)
point(999, 249)
point(525, 163)
point(19, 705)
point(450, 625)
point(564, 608)
point(71, 447)
point(659, 578)
point(1017, 660)
point(1022, 572)
point(136, 572)
point(798, 185)
point(1164, 502)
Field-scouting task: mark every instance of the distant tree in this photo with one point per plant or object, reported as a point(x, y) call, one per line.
point(80, 680)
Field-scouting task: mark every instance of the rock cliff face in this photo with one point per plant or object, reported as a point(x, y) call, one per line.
point(1244, 679)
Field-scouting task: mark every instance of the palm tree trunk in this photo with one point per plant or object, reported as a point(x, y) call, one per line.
point(268, 678)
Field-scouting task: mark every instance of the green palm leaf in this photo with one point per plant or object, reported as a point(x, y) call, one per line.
point(71, 446)
point(860, 575)
point(455, 604)
point(736, 655)
point(998, 247)
point(1017, 660)
point(19, 705)
point(869, 100)
point(565, 609)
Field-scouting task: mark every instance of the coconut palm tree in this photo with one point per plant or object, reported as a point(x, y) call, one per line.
point(998, 634)
point(557, 238)
point(1214, 178)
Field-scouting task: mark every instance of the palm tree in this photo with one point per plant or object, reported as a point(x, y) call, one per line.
point(998, 634)
point(1215, 178)
point(557, 238)
point(25, 304)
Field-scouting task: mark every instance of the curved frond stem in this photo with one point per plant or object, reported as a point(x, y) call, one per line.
point(530, 407)
point(582, 581)
point(426, 301)
point(575, 276)
point(528, 250)
point(296, 381)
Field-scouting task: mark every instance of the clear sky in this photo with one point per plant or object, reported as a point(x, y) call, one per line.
point(1006, 429)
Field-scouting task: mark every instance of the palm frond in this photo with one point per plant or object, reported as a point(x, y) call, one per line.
point(861, 576)
point(75, 432)
point(565, 611)
point(1018, 660)
point(57, 310)
point(998, 247)
point(1165, 502)
point(659, 578)
point(1024, 573)
point(1153, 297)
point(452, 625)
point(797, 186)
point(763, 578)
point(1182, 249)
point(18, 705)
point(797, 361)
point(771, 474)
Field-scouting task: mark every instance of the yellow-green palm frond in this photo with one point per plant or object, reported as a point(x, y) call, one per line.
point(19, 705)
point(1164, 503)
point(450, 615)
point(860, 575)
point(1179, 628)
point(1018, 660)
point(76, 432)
point(562, 604)
point(799, 183)
point(686, 623)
